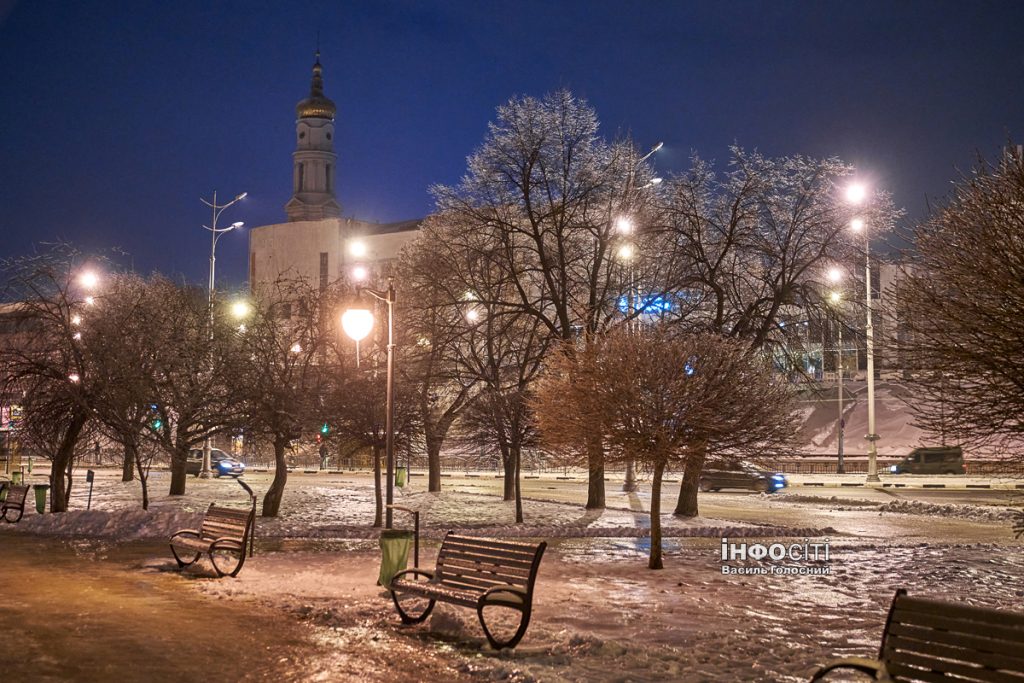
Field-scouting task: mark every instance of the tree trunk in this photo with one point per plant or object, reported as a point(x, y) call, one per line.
point(378, 513)
point(434, 463)
point(128, 464)
point(59, 487)
point(518, 458)
point(274, 495)
point(143, 475)
point(509, 471)
point(687, 504)
point(179, 458)
point(595, 462)
point(70, 481)
point(655, 561)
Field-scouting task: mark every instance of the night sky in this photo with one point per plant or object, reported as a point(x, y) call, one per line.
point(116, 117)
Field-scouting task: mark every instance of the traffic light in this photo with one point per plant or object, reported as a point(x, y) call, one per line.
point(156, 422)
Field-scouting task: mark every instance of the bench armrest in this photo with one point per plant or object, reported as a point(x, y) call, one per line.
point(493, 596)
point(871, 667)
point(185, 532)
point(419, 572)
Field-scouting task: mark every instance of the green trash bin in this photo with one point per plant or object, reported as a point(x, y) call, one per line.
point(394, 553)
point(15, 478)
point(401, 475)
point(40, 491)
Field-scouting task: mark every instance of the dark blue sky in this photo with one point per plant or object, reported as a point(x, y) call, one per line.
point(115, 117)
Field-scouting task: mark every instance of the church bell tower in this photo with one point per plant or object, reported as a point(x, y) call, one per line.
point(315, 163)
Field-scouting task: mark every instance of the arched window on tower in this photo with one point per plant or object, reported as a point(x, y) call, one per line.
point(302, 176)
point(330, 184)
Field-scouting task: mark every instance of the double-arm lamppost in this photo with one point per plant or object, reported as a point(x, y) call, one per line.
point(357, 323)
point(215, 235)
point(856, 194)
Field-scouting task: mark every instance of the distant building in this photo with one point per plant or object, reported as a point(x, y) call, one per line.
point(317, 243)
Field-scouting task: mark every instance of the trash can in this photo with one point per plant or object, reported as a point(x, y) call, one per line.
point(41, 491)
point(15, 478)
point(401, 475)
point(394, 553)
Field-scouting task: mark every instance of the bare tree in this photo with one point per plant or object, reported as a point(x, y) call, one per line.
point(120, 351)
point(657, 397)
point(961, 308)
point(432, 330)
point(281, 343)
point(47, 363)
point(194, 361)
point(755, 245)
point(546, 193)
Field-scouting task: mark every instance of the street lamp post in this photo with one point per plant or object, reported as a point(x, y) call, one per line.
point(356, 323)
point(840, 466)
point(856, 194)
point(215, 234)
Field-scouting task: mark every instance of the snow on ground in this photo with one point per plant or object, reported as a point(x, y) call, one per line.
point(600, 615)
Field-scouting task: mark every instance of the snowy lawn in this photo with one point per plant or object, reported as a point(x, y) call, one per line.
point(600, 615)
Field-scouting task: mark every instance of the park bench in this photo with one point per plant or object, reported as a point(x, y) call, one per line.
point(225, 533)
point(15, 502)
point(930, 640)
point(476, 573)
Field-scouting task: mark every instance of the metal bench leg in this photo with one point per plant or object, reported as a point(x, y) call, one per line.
point(182, 563)
point(406, 617)
point(524, 622)
point(240, 560)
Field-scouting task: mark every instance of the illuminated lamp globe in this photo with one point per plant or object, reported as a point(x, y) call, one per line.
point(357, 323)
point(240, 309)
point(856, 193)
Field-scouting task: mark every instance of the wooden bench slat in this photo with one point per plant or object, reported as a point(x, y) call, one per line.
point(959, 611)
point(494, 557)
point(477, 583)
point(506, 549)
point(990, 629)
point(529, 548)
point(906, 673)
point(897, 647)
point(484, 578)
point(956, 668)
point(485, 563)
point(958, 640)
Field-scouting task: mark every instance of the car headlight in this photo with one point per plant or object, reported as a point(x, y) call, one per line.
point(894, 469)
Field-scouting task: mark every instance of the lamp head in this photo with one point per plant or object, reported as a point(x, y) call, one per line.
point(357, 323)
point(856, 193)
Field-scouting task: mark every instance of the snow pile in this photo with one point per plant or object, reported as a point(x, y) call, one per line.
point(972, 512)
point(126, 525)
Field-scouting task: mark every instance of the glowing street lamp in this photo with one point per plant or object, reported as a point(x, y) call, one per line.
point(359, 273)
point(357, 248)
point(240, 309)
point(89, 279)
point(357, 323)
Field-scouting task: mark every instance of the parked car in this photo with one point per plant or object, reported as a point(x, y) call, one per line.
point(220, 463)
point(732, 474)
point(932, 460)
